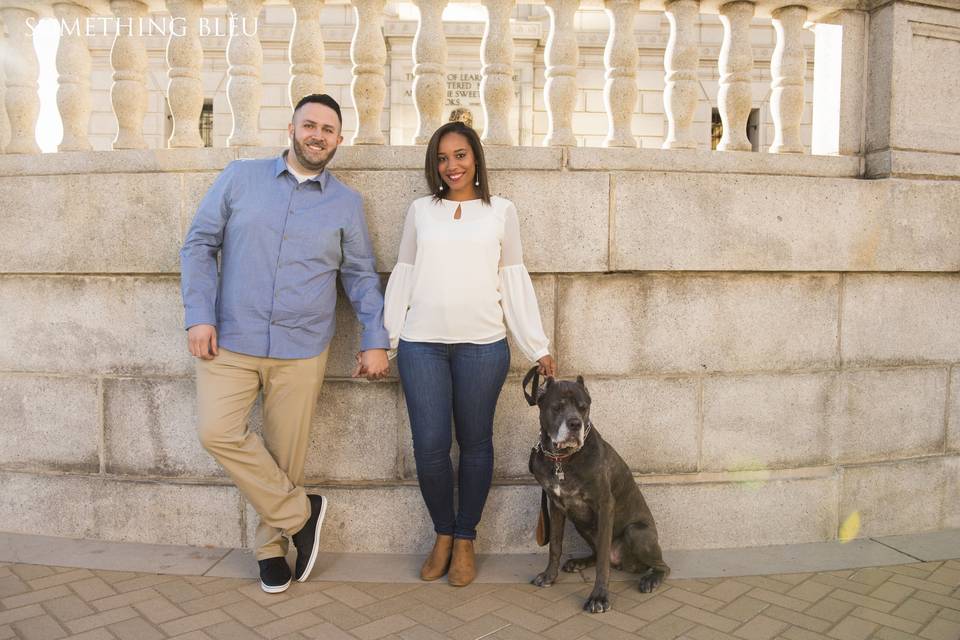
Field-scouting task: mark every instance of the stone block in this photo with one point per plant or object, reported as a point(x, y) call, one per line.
point(744, 514)
point(151, 429)
point(50, 423)
point(953, 411)
point(768, 421)
point(653, 423)
point(895, 498)
point(694, 221)
point(556, 238)
point(951, 504)
point(545, 288)
point(108, 509)
point(900, 319)
point(354, 433)
point(623, 324)
point(90, 223)
point(891, 414)
point(93, 324)
point(386, 197)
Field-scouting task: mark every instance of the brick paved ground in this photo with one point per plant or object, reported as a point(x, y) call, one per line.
point(891, 603)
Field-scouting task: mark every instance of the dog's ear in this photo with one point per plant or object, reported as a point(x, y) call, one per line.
point(580, 382)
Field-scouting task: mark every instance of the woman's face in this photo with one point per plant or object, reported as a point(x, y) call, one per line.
point(456, 162)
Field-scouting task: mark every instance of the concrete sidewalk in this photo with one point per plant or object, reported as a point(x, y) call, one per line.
point(885, 588)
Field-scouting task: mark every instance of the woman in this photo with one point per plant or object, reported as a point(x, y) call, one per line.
point(459, 275)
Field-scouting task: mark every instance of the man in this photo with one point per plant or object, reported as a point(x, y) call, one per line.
point(283, 229)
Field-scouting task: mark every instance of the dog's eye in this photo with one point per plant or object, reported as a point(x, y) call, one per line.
point(556, 406)
point(581, 406)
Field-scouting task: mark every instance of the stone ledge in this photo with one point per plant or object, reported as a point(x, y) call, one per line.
point(403, 157)
point(698, 161)
point(896, 163)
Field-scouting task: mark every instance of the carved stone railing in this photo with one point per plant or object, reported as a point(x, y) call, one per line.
point(369, 56)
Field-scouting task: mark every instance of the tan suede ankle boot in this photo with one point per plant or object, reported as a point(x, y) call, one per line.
point(437, 563)
point(463, 565)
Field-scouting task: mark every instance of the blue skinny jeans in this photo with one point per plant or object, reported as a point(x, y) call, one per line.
point(461, 381)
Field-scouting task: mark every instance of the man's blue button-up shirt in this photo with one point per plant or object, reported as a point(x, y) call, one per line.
point(281, 244)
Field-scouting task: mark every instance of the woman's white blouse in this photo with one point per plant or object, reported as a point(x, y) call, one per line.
point(458, 280)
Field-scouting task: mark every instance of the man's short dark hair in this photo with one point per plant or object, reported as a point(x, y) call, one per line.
point(320, 98)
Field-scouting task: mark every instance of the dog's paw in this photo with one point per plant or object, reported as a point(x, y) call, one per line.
point(597, 603)
point(650, 582)
point(579, 564)
point(544, 580)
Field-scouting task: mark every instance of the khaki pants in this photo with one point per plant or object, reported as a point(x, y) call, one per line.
point(269, 472)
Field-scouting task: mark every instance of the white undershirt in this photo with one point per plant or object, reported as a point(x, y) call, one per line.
point(301, 177)
point(458, 280)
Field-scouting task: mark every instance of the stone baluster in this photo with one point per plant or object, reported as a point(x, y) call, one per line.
point(736, 63)
point(429, 68)
point(245, 61)
point(787, 70)
point(680, 61)
point(20, 67)
point(73, 69)
point(306, 50)
point(368, 52)
point(620, 59)
point(129, 60)
point(561, 57)
point(496, 84)
point(185, 90)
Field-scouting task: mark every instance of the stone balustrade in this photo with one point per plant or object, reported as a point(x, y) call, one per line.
point(369, 57)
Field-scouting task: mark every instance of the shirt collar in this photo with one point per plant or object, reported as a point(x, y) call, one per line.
point(281, 165)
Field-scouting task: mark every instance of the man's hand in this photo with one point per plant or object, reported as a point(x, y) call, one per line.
point(372, 364)
point(202, 340)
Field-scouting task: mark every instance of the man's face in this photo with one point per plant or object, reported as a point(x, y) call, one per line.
point(314, 136)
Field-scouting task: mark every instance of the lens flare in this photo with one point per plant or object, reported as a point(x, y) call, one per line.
point(850, 527)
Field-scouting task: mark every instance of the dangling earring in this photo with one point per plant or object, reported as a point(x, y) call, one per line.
point(441, 184)
point(476, 180)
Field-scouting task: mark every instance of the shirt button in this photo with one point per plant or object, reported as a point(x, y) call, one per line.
point(286, 237)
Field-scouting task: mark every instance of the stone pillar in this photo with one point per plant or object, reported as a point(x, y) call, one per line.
point(245, 61)
point(73, 69)
point(839, 72)
point(20, 68)
point(561, 58)
point(184, 57)
point(913, 89)
point(368, 52)
point(787, 70)
point(306, 50)
point(620, 59)
point(681, 85)
point(429, 68)
point(736, 63)
point(496, 84)
point(129, 60)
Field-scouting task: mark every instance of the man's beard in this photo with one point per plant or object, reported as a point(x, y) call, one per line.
point(307, 164)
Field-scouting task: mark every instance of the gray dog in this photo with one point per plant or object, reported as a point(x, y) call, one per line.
point(588, 482)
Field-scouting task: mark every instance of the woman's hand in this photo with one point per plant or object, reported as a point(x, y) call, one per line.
point(548, 366)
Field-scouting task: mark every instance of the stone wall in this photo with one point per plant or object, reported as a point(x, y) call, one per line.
point(771, 343)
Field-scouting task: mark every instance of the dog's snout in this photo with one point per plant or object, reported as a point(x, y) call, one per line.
point(574, 423)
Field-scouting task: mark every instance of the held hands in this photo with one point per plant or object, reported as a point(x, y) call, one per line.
point(372, 364)
point(548, 366)
point(202, 341)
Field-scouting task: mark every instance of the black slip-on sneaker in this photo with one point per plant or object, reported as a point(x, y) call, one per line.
point(307, 540)
point(274, 575)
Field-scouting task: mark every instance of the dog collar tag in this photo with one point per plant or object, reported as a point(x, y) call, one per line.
point(558, 470)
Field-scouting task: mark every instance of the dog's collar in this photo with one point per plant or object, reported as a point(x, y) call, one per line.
point(557, 459)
